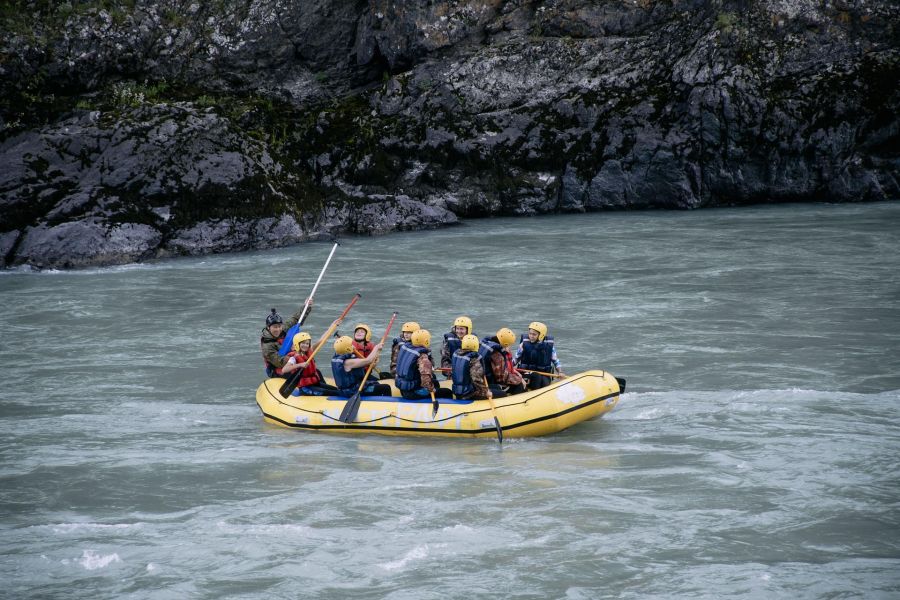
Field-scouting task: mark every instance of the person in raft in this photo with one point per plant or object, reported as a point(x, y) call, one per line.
point(348, 370)
point(405, 336)
point(537, 352)
point(272, 337)
point(469, 379)
point(362, 340)
point(498, 362)
point(452, 341)
point(415, 370)
point(311, 382)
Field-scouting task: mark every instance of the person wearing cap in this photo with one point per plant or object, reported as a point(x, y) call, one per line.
point(272, 338)
point(537, 352)
point(310, 382)
point(498, 362)
point(453, 340)
point(348, 370)
point(415, 369)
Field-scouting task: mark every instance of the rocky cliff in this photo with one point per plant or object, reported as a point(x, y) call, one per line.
point(135, 129)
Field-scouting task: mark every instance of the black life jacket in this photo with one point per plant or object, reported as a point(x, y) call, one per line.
point(537, 357)
point(408, 376)
point(462, 377)
point(346, 381)
point(485, 349)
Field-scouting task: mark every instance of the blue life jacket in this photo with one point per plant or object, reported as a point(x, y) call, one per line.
point(289, 339)
point(346, 381)
point(452, 342)
point(462, 377)
point(537, 357)
point(408, 376)
point(485, 349)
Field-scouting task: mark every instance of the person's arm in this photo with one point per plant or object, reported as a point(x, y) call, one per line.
point(518, 355)
point(296, 316)
point(334, 325)
point(355, 363)
point(446, 357)
point(476, 371)
point(291, 365)
point(270, 353)
point(554, 359)
point(426, 368)
point(394, 351)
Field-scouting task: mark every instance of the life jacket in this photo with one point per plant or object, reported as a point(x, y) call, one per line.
point(536, 356)
point(266, 337)
point(346, 381)
point(364, 347)
point(309, 375)
point(462, 377)
point(485, 349)
point(408, 376)
point(452, 342)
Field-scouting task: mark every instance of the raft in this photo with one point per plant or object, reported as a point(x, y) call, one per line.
point(533, 413)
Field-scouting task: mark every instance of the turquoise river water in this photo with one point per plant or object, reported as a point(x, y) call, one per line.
point(754, 455)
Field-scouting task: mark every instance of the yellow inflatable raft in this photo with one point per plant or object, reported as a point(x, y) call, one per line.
point(534, 413)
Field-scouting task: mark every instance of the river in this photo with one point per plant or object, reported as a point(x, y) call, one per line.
point(754, 454)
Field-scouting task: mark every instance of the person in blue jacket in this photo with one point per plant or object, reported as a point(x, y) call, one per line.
point(348, 370)
point(537, 352)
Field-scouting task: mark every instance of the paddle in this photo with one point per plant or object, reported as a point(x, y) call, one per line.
point(289, 336)
point(541, 373)
point(291, 382)
point(352, 406)
point(490, 398)
point(434, 406)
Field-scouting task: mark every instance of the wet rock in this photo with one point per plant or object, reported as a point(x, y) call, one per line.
point(288, 120)
point(84, 243)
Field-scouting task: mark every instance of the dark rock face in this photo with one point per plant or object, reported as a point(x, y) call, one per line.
point(164, 128)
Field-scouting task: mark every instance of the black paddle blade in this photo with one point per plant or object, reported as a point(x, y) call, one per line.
point(434, 409)
point(499, 430)
point(350, 409)
point(621, 383)
point(290, 384)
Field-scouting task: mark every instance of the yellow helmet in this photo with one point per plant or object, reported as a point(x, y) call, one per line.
point(367, 329)
point(410, 327)
point(421, 337)
point(470, 343)
point(343, 345)
point(299, 338)
point(505, 336)
point(540, 328)
point(463, 322)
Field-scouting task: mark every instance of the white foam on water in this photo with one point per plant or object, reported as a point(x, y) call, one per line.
point(417, 553)
point(458, 528)
point(92, 561)
point(79, 527)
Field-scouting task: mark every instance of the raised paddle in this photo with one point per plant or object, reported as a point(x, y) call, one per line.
point(291, 382)
point(490, 399)
point(352, 406)
point(289, 336)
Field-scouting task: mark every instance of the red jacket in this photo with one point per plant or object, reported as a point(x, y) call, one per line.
point(364, 348)
point(309, 375)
